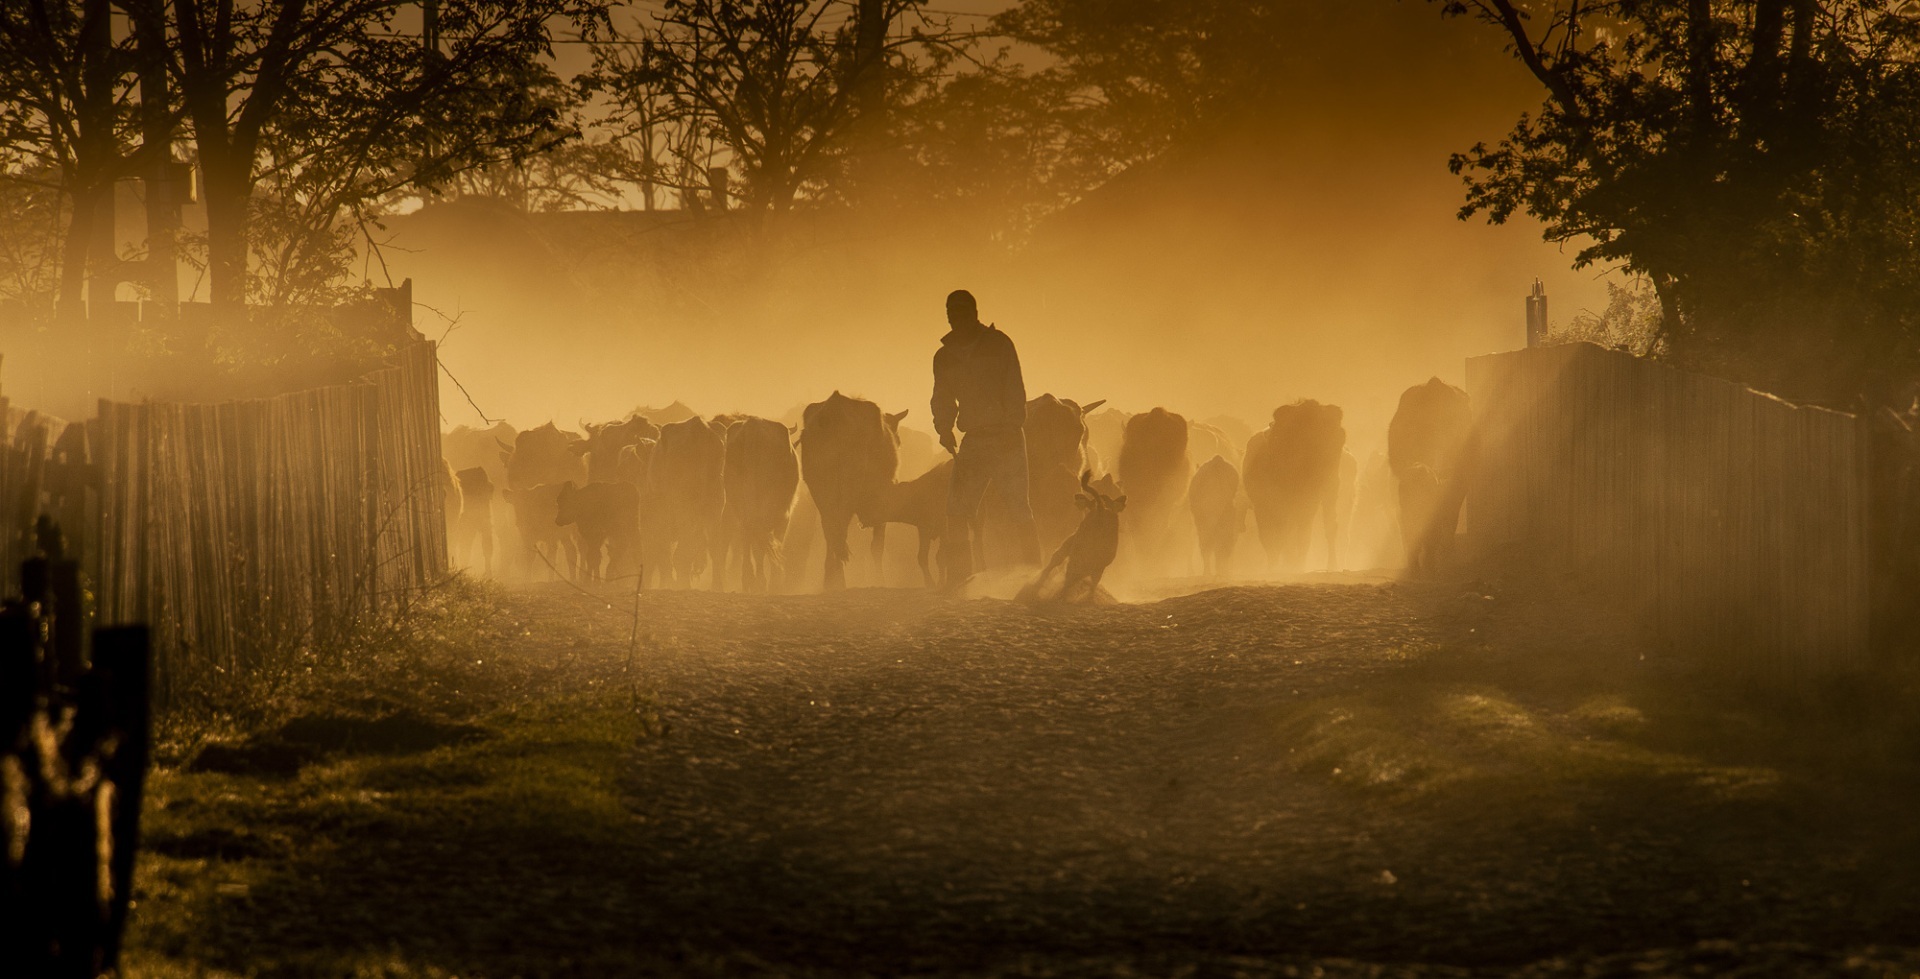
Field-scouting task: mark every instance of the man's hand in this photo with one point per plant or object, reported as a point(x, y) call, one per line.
point(948, 443)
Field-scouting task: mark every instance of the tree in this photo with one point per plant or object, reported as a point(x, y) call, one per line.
point(1754, 159)
point(65, 93)
point(769, 89)
point(333, 108)
point(1137, 76)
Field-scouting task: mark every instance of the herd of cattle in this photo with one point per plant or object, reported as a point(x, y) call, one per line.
point(733, 499)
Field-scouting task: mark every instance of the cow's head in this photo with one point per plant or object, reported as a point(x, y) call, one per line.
point(893, 423)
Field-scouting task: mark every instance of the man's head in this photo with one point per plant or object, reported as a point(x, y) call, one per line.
point(962, 312)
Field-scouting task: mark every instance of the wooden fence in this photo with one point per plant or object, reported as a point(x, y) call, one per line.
point(246, 529)
point(1738, 521)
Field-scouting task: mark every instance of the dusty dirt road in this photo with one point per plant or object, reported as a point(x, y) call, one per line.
point(1358, 778)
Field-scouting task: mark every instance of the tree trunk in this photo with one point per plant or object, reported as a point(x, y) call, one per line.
point(227, 190)
point(1664, 288)
point(70, 304)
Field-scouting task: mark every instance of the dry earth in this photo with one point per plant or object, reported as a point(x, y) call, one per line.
point(1365, 779)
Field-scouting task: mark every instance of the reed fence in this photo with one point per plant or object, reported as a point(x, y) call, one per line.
point(245, 529)
point(1738, 521)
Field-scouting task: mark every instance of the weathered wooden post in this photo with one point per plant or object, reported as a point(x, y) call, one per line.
point(76, 736)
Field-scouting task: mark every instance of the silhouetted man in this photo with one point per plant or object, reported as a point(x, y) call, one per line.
point(977, 388)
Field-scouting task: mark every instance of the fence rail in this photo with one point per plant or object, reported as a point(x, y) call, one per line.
point(1738, 521)
point(242, 529)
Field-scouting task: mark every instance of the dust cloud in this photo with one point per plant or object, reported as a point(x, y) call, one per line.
point(1305, 249)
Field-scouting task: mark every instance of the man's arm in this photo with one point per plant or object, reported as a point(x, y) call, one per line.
point(1016, 384)
point(946, 407)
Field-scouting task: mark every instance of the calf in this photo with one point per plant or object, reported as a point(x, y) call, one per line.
point(921, 503)
point(476, 517)
point(1087, 553)
point(607, 517)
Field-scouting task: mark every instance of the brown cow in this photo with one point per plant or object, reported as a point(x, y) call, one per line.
point(687, 497)
point(542, 456)
point(1429, 443)
point(465, 448)
point(1105, 431)
point(849, 454)
point(1218, 518)
point(921, 503)
point(543, 541)
point(607, 518)
point(761, 476)
point(1293, 475)
point(604, 443)
point(1206, 440)
point(1086, 554)
point(1154, 469)
point(1056, 431)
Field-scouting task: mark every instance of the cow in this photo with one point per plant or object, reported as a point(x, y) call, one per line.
point(607, 518)
point(1205, 440)
point(686, 500)
point(1086, 553)
point(1293, 475)
point(475, 521)
point(542, 456)
point(1429, 445)
point(922, 503)
point(1154, 469)
point(760, 476)
point(634, 463)
point(919, 451)
point(1056, 430)
point(604, 443)
point(465, 448)
point(849, 454)
point(1237, 433)
point(1105, 431)
point(536, 512)
point(1218, 518)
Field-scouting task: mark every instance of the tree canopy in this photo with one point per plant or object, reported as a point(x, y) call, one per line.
point(1754, 159)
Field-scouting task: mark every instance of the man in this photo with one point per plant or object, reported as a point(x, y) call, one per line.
point(977, 389)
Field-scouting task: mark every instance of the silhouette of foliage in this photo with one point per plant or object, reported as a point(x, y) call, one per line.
point(772, 90)
point(1754, 159)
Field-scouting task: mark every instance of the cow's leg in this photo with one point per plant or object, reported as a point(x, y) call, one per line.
point(753, 563)
point(879, 552)
point(833, 529)
point(926, 570)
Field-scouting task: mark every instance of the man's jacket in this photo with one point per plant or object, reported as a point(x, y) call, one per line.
point(976, 383)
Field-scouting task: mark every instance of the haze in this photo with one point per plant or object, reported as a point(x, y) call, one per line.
point(1310, 250)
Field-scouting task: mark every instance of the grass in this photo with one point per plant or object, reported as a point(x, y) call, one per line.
point(416, 855)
